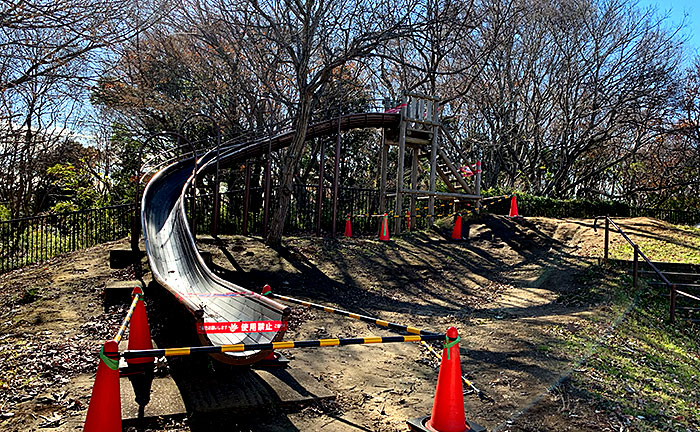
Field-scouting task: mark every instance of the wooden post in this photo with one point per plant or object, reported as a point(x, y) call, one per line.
point(414, 186)
point(477, 185)
point(136, 226)
point(383, 162)
point(193, 207)
point(433, 168)
point(398, 207)
point(136, 216)
point(319, 197)
point(246, 197)
point(607, 239)
point(266, 210)
point(217, 182)
point(214, 229)
point(635, 267)
point(336, 172)
point(673, 303)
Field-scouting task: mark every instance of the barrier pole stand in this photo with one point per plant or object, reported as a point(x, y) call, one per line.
point(673, 303)
point(607, 238)
point(635, 268)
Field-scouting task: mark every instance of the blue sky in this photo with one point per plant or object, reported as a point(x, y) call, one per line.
point(675, 10)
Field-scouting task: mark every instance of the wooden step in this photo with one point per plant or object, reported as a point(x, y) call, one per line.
point(448, 172)
point(417, 141)
point(414, 132)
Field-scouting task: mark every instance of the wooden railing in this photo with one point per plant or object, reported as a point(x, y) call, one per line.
point(674, 292)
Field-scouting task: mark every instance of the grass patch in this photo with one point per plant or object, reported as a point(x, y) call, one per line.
point(678, 244)
point(634, 362)
point(29, 295)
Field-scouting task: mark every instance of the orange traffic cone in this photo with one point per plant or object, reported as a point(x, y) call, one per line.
point(514, 207)
point(384, 232)
point(408, 220)
point(457, 231)
point(448, 406)
point(348, 228)
point(139, 332)
point(105, 412)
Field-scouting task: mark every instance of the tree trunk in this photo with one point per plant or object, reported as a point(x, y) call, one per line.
point(289, 169)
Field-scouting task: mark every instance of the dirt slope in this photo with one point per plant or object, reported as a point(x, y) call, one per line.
point(503, 288)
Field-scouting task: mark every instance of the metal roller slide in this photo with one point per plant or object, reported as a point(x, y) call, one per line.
point(226, 313)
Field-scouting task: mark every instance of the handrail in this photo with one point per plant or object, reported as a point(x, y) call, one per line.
point(637, 252)
point(455, 146)
point(634, 246)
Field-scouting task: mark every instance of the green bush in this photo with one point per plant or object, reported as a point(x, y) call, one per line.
point(4, 213)
point(29, 295)
point(577, 208)
point(532, 205)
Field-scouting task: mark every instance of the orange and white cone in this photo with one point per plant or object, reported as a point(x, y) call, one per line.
point(457, 231)
point(448, 406)
point(139, 332)
point(384, 232)
point(105, 412)
point(514, 207)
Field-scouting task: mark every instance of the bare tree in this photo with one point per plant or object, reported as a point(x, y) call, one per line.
point(559, 98)
point(305, 42)
point(48, 52)
point(570, 91)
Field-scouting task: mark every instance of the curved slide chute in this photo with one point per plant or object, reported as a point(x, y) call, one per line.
point(220, 307)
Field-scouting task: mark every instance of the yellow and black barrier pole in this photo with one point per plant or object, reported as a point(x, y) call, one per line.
point(127, 319)
point(439, 357)
point(367, 319)
point(218, 349)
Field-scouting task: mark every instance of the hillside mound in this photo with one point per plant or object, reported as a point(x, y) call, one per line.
point(526, 294)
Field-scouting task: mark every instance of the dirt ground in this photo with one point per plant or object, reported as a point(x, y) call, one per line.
point(503, 290)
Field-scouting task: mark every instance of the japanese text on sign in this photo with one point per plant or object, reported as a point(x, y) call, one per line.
point(241, 327)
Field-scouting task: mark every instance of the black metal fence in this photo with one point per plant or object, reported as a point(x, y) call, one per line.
point(546, 207)
point(684, 217)
point(35, 239)
point(303, 213)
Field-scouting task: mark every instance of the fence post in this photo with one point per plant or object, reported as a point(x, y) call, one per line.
point(268, 180)
point(607, 239)
point(246, 197)
point(135, 228)
point(74, 233)
point(214, 230)
point(319, 194)
point(635, 267)
point(193, 208)
point(336, 173)
point(673, 303)
point(217, 185)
